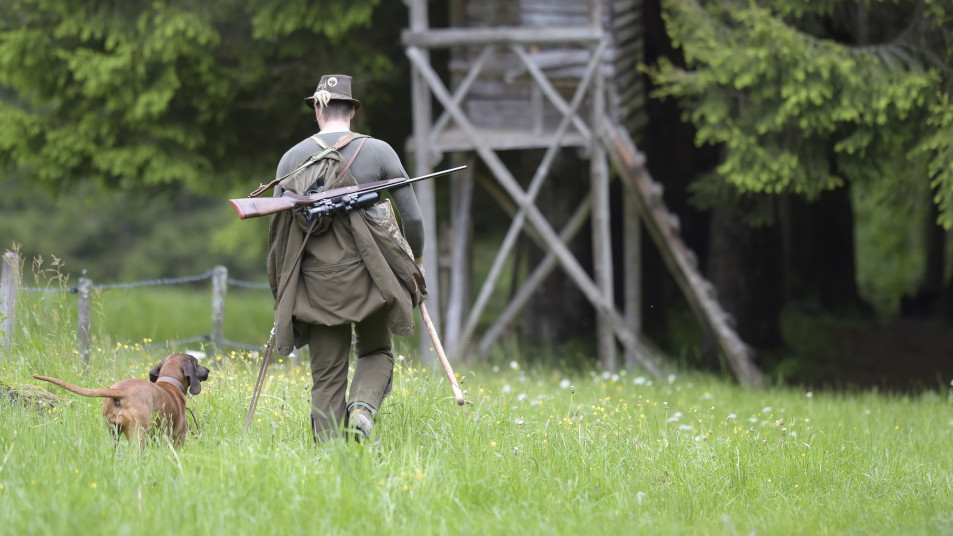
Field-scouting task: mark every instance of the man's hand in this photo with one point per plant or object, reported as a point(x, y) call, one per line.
point(420, 264)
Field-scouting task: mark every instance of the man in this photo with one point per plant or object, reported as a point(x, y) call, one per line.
point(354, 271)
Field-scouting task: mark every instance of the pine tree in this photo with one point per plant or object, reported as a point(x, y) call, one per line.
point(145, 93)
point(805, 95)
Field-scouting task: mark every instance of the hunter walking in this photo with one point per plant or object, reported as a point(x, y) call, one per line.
point(348, 272)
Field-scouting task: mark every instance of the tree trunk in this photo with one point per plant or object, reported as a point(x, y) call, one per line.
point(820, 261)
point(928, 299)
point(744, 264)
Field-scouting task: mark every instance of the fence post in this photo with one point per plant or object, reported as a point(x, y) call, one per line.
point(9, 284)
point(83, 310)
point(219, 288)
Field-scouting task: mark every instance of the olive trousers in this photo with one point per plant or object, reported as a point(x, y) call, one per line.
point(329, 348)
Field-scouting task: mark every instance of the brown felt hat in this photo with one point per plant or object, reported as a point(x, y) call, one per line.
point(332, 87)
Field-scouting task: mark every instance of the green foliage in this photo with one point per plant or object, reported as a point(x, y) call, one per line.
point(127, 236)
point(937, 150)
point(804, 96)
point(890, 217)
point(139, 119)
point(175, 93)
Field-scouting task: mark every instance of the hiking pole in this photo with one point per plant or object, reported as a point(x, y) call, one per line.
point(457, 393)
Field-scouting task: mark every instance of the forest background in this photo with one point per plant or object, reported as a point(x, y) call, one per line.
point(807, 148)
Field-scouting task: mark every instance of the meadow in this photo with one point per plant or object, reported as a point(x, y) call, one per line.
point(537, 450)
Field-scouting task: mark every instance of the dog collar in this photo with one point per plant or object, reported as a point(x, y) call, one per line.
point(173, 381)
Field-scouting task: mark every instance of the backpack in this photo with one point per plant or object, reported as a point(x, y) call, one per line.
point(324, 170)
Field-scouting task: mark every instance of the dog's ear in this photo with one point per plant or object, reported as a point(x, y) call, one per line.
point(202, 372)
point(195, 385)
point(154, 373)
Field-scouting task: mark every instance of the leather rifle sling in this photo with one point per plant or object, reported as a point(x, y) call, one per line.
point(271, 340)
point(337, 146)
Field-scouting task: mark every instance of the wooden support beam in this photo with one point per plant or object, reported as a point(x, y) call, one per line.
point(536, 278)
point(501, 139)
point(451, 37)
point(600, 302)
point(426, 196)
point(601, 226)
point(678, 258)
point(632, 256)
point(535, 184)
point(458, 293)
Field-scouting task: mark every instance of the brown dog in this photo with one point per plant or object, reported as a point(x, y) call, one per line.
point(133, 405)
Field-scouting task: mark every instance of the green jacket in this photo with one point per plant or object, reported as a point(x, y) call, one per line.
point(360, 264)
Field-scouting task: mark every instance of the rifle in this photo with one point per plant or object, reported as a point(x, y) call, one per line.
point(344, 198)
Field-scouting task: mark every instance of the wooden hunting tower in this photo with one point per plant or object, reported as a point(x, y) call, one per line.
point(546, 75)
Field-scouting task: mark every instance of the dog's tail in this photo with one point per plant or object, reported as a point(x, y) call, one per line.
point(101, 393)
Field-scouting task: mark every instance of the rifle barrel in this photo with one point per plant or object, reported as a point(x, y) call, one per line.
point(253, 207)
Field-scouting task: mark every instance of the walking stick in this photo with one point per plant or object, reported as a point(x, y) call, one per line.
point(261, 379)
point(457, 393)
point(271, 338)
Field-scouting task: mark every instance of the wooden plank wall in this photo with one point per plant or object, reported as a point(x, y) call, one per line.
point(504, 96)
point(627, 88)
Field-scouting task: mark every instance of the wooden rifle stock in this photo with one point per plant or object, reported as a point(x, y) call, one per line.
point(253, 207)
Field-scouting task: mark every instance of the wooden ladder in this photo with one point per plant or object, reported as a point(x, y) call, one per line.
point(682, 263)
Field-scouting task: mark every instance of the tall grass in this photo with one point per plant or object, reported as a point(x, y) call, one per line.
point(148, 315)
point(536, 451)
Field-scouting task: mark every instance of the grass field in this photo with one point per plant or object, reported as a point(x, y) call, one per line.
point(536, 451)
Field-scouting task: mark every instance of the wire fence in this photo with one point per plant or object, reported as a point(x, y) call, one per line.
point(9, 287)
point(147, 283)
